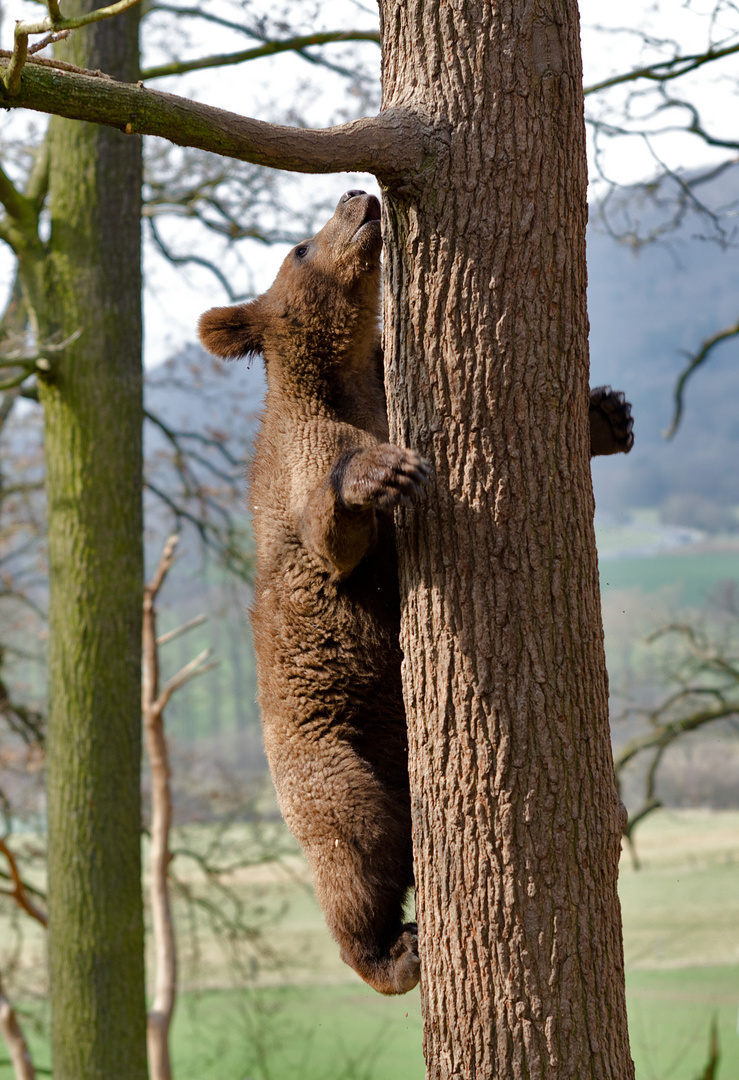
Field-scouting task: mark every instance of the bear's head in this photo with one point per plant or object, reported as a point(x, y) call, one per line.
point(324, 303)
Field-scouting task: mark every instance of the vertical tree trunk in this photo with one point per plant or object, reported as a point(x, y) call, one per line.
point(516, 817)
point(93, 409)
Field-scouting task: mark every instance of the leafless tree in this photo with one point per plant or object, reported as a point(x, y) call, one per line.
point(701, 671)
point(673, 100)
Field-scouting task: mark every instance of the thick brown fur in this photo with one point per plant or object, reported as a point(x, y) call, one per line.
point(325, 481)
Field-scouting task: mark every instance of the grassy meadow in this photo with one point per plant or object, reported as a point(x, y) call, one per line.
point(300, 1014)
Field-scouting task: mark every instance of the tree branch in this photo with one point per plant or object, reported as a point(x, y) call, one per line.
point(152, 704)
point(694, 363)
point(20, 1055)
point(160, 1014)
point(269, 48)
point(198, 260)
point(668, 733)
point(19, 891)
point(665, 70)
point(197, 666)
point(170, 635)
point(55, 23)
point(392, 145)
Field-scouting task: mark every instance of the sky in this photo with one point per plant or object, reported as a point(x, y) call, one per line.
point(612, 42)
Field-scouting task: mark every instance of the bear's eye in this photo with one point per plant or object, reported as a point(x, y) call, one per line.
point(302, 251)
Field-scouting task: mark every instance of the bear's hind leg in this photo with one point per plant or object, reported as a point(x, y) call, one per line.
point(364, 912)
point(356, 833)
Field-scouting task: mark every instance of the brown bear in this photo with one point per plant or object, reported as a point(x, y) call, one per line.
point(326, 613)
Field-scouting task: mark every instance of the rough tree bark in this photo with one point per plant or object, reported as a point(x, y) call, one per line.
point(517, 822)
point(480, 149)
point(93, 414)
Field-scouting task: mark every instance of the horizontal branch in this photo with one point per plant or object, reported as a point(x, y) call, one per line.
point(668, 733)
point(390, 145)
point(665, 70)
point(183, 629)
point(269, 48)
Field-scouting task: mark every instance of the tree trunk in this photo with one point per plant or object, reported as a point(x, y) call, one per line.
point(93, 409)
point(517, 822)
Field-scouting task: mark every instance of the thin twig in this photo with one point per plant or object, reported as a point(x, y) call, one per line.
point(269, 48)
point(48, 40)
point(664, 70)
point(172, 634)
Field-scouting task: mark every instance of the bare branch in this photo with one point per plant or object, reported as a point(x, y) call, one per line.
point(694, 363)
point(14, 202)
point(175, 436)
point(152, 703)
point(198, 260)
point(20, 1055)
point(19, 891)
point(179, 630)
point(224, 539)
point(55, 23)
point(665, 70)
point(391, 145)
point(269, 48)
point(160, 1015)
point(196, 666)
point(668, 733)
point(635, 819)
point(26, 723)
point(48, 40)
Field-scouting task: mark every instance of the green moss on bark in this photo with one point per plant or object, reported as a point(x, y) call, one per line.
point(93, 411)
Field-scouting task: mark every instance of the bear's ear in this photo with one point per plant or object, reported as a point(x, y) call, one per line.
point(232, 332)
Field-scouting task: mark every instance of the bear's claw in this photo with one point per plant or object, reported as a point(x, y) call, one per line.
point(382, 476)
point(407, 963)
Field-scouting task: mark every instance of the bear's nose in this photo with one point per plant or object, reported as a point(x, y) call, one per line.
point(351, 194)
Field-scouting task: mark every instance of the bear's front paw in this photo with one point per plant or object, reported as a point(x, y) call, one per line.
point(407, 964)
point(382, 476)
point(611, 422)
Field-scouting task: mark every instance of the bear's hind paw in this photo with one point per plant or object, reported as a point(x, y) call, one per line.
point(407, 964)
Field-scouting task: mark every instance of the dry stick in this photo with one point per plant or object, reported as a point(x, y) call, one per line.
point(153, 703)
point(16, 1043)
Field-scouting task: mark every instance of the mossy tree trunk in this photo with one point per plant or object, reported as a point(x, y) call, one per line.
point(517, 821)
point(93, 413)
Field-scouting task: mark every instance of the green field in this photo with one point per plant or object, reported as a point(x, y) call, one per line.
point(304, 1016)
point(690, 577)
